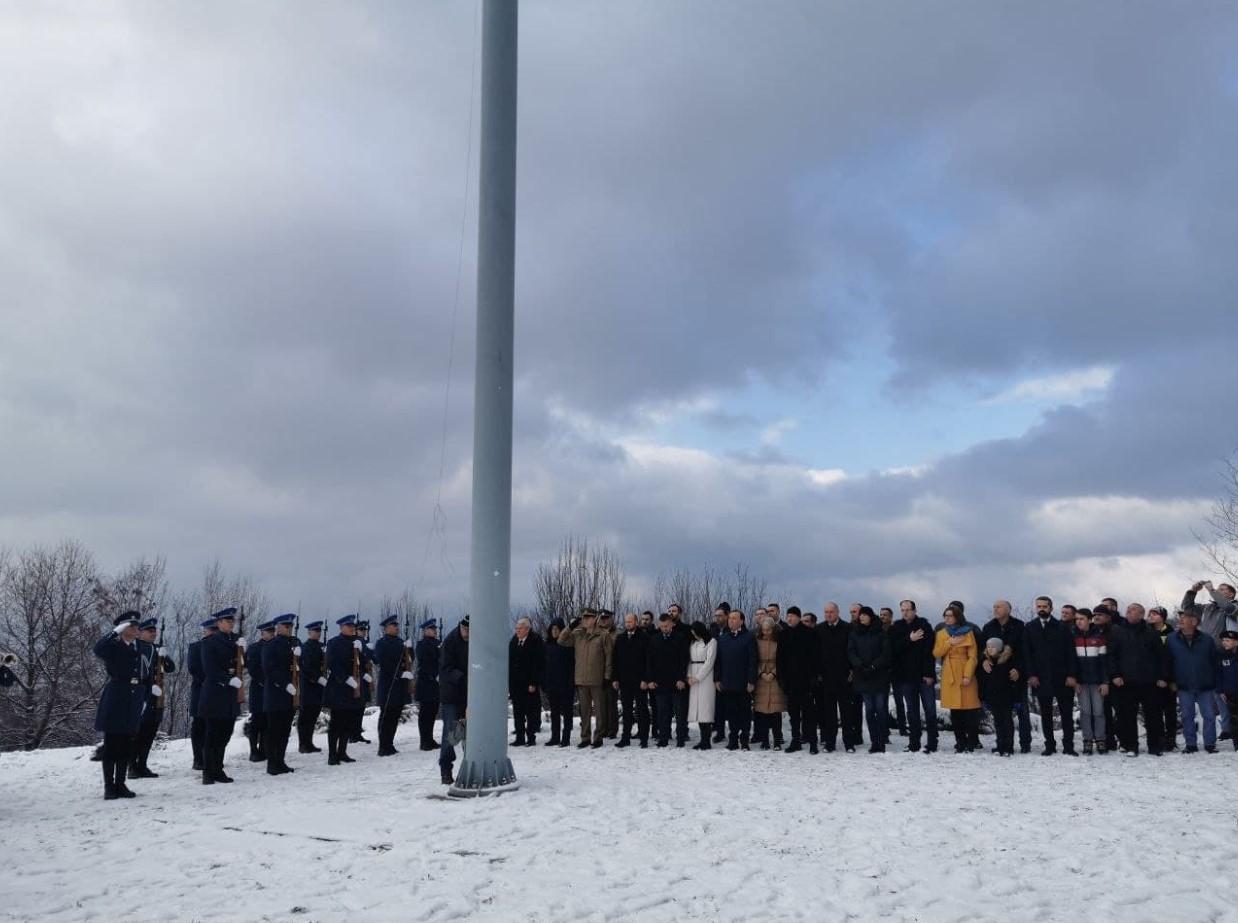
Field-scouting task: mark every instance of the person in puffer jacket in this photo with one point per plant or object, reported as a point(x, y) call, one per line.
point(1092, 652)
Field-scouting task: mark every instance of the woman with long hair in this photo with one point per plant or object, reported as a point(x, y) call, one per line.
point(768, 700)
point(701, 692)
point(955, 647)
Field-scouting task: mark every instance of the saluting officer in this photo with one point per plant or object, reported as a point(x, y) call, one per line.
point(152, 658)
point(277, 654)
point(367, 680)
point(197, 674)
point(120, 706)
point(256, 730)
point(313, 682)
point(220, 702)
point(393, 681)
point(343, 694)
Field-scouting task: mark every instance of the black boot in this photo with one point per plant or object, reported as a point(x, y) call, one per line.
point(122, 790)
point(109, 786)
point(706, 732)
point(333, 749)
point(445, 774)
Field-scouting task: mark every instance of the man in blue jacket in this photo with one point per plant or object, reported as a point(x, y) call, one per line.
point(735, 676)
point(220, 702)
point(197, 675)
point(120, 706)
point(1196, 665)
point(279, 694)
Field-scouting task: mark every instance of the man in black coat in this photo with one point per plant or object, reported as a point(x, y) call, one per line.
point(313, 683)
point(342, 696)
point(394, 657)
point(197, 675)
point(836, 693)
point(1049, 659)
point(526, 670)
point(119, 714)
point(629, 664)
point(666, 676)
point(680, 699)
point(222, 692)
point(799, 657)
point(256, 727)
point(1140, 667)
point(453, 687)
point(1009, 630)
point(913, 671)
point(425, 686)
point(154, 662)
point(735, 677)
point(278, 694)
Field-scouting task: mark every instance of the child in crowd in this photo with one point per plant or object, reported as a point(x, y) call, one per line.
point(997, 691)
point(1092, 651)
point(1229, 673)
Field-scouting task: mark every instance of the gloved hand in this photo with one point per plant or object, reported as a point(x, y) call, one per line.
point(242, 643)
point(357, 644)
point(296, 652)
point(350, 683)
point(290, 689)
point(406, 675)
point(367, 677)
point(117, 629)
point(322, 681)
point(156, 691)
point(235, 682)
point(162, 652)
point(409, 644)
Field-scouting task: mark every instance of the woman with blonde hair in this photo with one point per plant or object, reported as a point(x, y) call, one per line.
point(955, 647)
point(768, 700)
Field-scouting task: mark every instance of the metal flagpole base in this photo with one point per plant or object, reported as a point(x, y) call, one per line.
point(490, 778)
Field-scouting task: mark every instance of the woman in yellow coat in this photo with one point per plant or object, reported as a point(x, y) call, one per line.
point(955, 647)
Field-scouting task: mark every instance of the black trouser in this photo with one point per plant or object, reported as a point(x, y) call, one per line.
point(275, 744)
point(1065, 697)
point(800, 716)
point(307, 720)
point(764, 722)
point(1003, 726)
point(680, 699)
point(635, 710)
point(663, 711)
point(1129, 698)
point(197, 738)
point(560, 714)
point(877, 714)
point(215, 745)
point(356, 736)
point(345, 725)
point(966, 723)
point(257, 734)
point(117, 752)
point(388, 721)
point(1165, 705)
point(734, 710)
point(836, 710)
point(1110, 707)
point(151, 719)
point(427, 712)
point(855, 714)
point(527, 713)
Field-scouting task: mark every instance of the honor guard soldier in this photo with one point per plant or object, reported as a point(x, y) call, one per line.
point(313, 683)
point(197, 724)
point(222, 693)
point(155, 663)
point(395, 660)
point(343, 693)
point(256, 729)
point(425, 687)
point(120, 706)
point(367, 679)
point(279, 694)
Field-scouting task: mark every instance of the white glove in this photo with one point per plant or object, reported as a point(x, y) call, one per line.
point(357, 644)
point(235, 682)
point(409, 644)
point(406, 675)
point(290, 689)
point(350, 683)
point(242, 643)
point(162, 652)
point(156, 691)
point(296, 652)
point(322, 681)
point(117, 629)
point(367, 677)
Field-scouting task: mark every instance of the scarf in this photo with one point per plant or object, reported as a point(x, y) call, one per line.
point(955, 630)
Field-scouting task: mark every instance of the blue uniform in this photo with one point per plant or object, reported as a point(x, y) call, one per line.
point(425, 690)
point(277, 677)
point(389, 655)
point(345, 702)
point(253, 666)
point(124, 694)
point(218, 702)
point(311, 694)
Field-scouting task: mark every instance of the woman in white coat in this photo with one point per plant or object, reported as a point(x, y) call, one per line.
point(701, 682)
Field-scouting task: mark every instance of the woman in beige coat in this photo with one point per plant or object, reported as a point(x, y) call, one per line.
point(768, 700)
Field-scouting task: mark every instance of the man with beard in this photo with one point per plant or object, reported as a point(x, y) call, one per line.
point(1051, 673)
point(914, 674)
point(798, 657)
point(629, 665)
point(1009, 630)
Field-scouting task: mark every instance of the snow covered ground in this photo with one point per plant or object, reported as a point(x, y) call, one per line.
point(627, 835)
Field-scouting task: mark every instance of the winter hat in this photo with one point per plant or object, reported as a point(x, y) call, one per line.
point(994, 646)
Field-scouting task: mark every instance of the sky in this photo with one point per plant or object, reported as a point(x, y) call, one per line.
point(880, 299)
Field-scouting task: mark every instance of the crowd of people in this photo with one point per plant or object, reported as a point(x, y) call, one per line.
point(648, 680)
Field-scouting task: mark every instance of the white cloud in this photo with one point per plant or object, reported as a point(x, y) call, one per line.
point(1066, 388)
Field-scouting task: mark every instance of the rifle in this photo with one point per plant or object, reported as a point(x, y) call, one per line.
point(240, 660)
point(356, 667)
point(407, 663)
point(323, 671)
point(159, 657)
point(296, 663)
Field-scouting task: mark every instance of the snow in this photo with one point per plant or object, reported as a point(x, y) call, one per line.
point(627, 835)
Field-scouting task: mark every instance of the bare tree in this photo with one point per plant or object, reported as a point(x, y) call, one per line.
point(49, 620)
point(1220, 540)
point(582, 575)
point(699, 591)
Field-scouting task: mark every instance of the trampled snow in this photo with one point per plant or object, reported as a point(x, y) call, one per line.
point(644, 835)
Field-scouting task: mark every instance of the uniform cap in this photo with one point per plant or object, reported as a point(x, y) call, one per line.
point(390, 620)
point(347, 620)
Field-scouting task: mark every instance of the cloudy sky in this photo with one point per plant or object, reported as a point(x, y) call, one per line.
point(881, 298)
